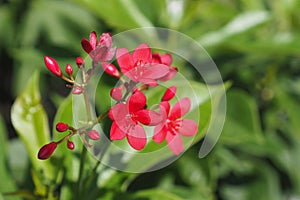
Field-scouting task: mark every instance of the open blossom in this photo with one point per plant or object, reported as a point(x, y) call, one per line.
point(128, 117)
point(100, 50)
point(165, 59)
point(173, 126)
point(139, 67)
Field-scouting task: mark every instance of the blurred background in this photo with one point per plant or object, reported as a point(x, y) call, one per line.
point(256, 46)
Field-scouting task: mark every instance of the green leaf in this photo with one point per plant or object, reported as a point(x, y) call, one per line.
point(118, 13)
point(7, 183)
point(242, 124)
point(31, 123)
point(156, 194)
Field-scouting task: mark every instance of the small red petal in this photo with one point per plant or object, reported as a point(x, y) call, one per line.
point(142, 53)
point(124, 59)
point(148, 117)
point(61, 127)
point(136, 102)
point(175, 143)
point(94, 135)
point(169, 93)
point(93, 40)
point(53, 66)
point(137, 137)
point(105, 40)
point(87, 47)
point(47, 150)
point(160, 132)
point(116, 133)
point(110, 69)
point(69, 69)
point(166, 59)
point(180, 108)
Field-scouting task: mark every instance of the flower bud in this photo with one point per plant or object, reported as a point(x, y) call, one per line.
point(110, 69)
point(79, 61)
point(70, 145)
point(169, 93)
point(94, 135)
point(61, 127)
point(116, 94)
point(46, 151)
point(53, 66)
point(69, 69)
point(77, 90)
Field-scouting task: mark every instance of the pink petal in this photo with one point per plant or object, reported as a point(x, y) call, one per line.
point(105, 40)
point(142, 53)
point(99, 54)
point(166, 59)
point(165, 108)
point(169, 93)
point(148, 117)
point(111, 69)
point(172, 72)
point(137, 137)
point(156, 58)
point(180, 108)
point(160, 132)
point(155, 71)
point(118, 112)
point(150, 82)
point(124, 59)
point(93, 39)
point(175, 143)
point(94, 135)
point(136, 102)
point(116, 133)
point(87, 47)
point(188, 127)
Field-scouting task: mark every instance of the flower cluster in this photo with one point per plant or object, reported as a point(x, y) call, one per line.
point(138, 71)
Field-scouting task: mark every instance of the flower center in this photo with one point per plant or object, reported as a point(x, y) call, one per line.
point(138, 69)
point(173, 126)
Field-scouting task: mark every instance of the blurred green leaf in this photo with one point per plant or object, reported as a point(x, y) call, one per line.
point(118, 13)
point(7, 183)
point(31, 123)
point(242, 123)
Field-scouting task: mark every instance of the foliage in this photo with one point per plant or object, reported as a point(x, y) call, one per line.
point(255, 45)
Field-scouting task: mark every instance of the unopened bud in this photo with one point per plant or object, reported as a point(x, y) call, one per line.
point(169, 93)
point(77, 90)
point(111, 69)
point(61, 127)
point(53, 66)
point(79, 61)
point(70, 145)
point(116, 94)
point(69, 69)
point(94, 135)
point(47, 150)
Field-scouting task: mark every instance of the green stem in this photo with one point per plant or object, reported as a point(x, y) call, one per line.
point(81, 168)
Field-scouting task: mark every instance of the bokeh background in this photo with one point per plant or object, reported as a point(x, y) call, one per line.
point(256, 46)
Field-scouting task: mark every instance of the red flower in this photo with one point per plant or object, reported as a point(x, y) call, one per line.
point(138, 66)
point(128, 117)
point(101, 50)
point(165, 59)
point(172, 126)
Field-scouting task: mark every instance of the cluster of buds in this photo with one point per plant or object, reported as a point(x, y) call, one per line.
point(47, 150)
point(137, 72)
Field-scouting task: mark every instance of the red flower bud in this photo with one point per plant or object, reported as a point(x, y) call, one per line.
point(116, 94)
point(110, 69)
point(62, 127)
point(70, 145)
point(79, 61)
point(46, 151)
point(69, 69)
point(94, 135)
point(77, 90)
point(53, 66)
point(169, 93)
